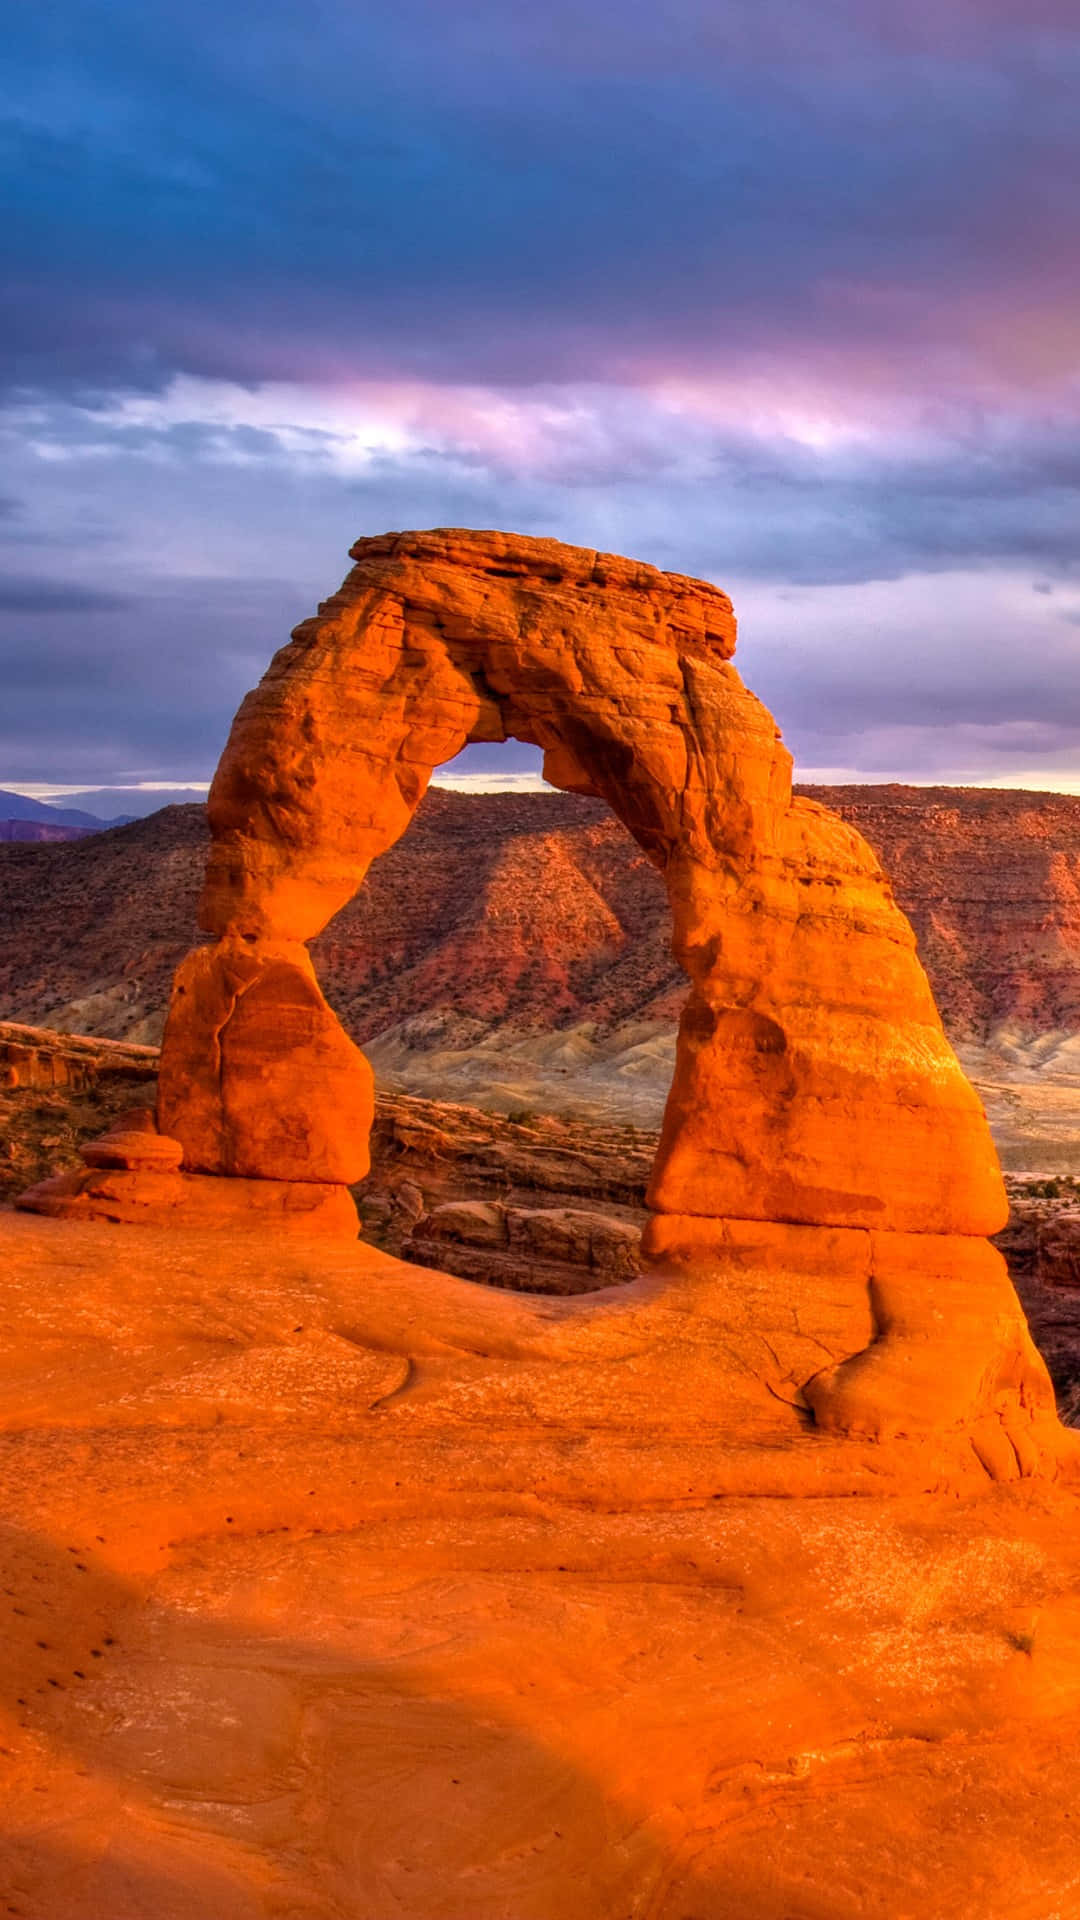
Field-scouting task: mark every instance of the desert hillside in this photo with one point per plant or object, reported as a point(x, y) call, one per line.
point(539, 909)
point(513, 948)
point(991, 883)
point(536, 909)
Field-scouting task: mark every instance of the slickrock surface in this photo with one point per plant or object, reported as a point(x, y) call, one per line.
point(338, 1588)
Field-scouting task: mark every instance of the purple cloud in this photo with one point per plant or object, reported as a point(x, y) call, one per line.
point(778, 295)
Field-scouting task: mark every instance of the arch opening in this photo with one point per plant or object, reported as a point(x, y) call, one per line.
point(507, 943)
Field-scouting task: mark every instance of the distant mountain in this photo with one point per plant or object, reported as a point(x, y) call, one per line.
point(16, 806)
point(118, 805)
point(99, 807)
point(40, 832)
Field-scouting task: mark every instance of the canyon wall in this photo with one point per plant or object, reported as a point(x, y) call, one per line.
point(538, 909)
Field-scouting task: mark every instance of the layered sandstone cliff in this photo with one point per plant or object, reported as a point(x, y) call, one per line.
point(536, 910)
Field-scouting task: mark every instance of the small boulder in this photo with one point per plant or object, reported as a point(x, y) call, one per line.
point(476, 1223)
point(136, 1151)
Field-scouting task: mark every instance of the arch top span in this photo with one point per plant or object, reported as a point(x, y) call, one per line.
point(620, 673)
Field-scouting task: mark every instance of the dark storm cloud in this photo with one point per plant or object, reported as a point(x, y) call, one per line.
point(25, 596)
point(224, 538)
point(765, 506)
point(778, 294)
point(143, 693)
point(467, 193)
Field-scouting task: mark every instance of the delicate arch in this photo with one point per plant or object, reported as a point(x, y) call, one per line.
point(825, 1172)
point(813, 1083)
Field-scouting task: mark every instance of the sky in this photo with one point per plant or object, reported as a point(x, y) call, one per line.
point(784, 296)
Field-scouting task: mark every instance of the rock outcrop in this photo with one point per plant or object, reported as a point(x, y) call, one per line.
point(530, 1249)
point(57, 1091)
point(39, 1059)
point(1058, 1248)
point(814, 1090)
point(132, 1175)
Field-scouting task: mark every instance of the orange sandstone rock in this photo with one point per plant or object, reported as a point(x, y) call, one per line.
point(195, 1202)
point(134, 1149)
point(133, 1175)
point(331, 1586)
point(814, 1079)
point(814, 1086)
point(260, 1078)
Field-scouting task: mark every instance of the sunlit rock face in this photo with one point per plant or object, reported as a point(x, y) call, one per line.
point(814, 1086)
point(814, 1081)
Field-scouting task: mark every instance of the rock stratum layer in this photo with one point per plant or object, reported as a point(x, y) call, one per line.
point(816, 1111)
point(536, 911)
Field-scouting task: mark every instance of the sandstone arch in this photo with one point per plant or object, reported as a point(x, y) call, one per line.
point(814, 1085)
